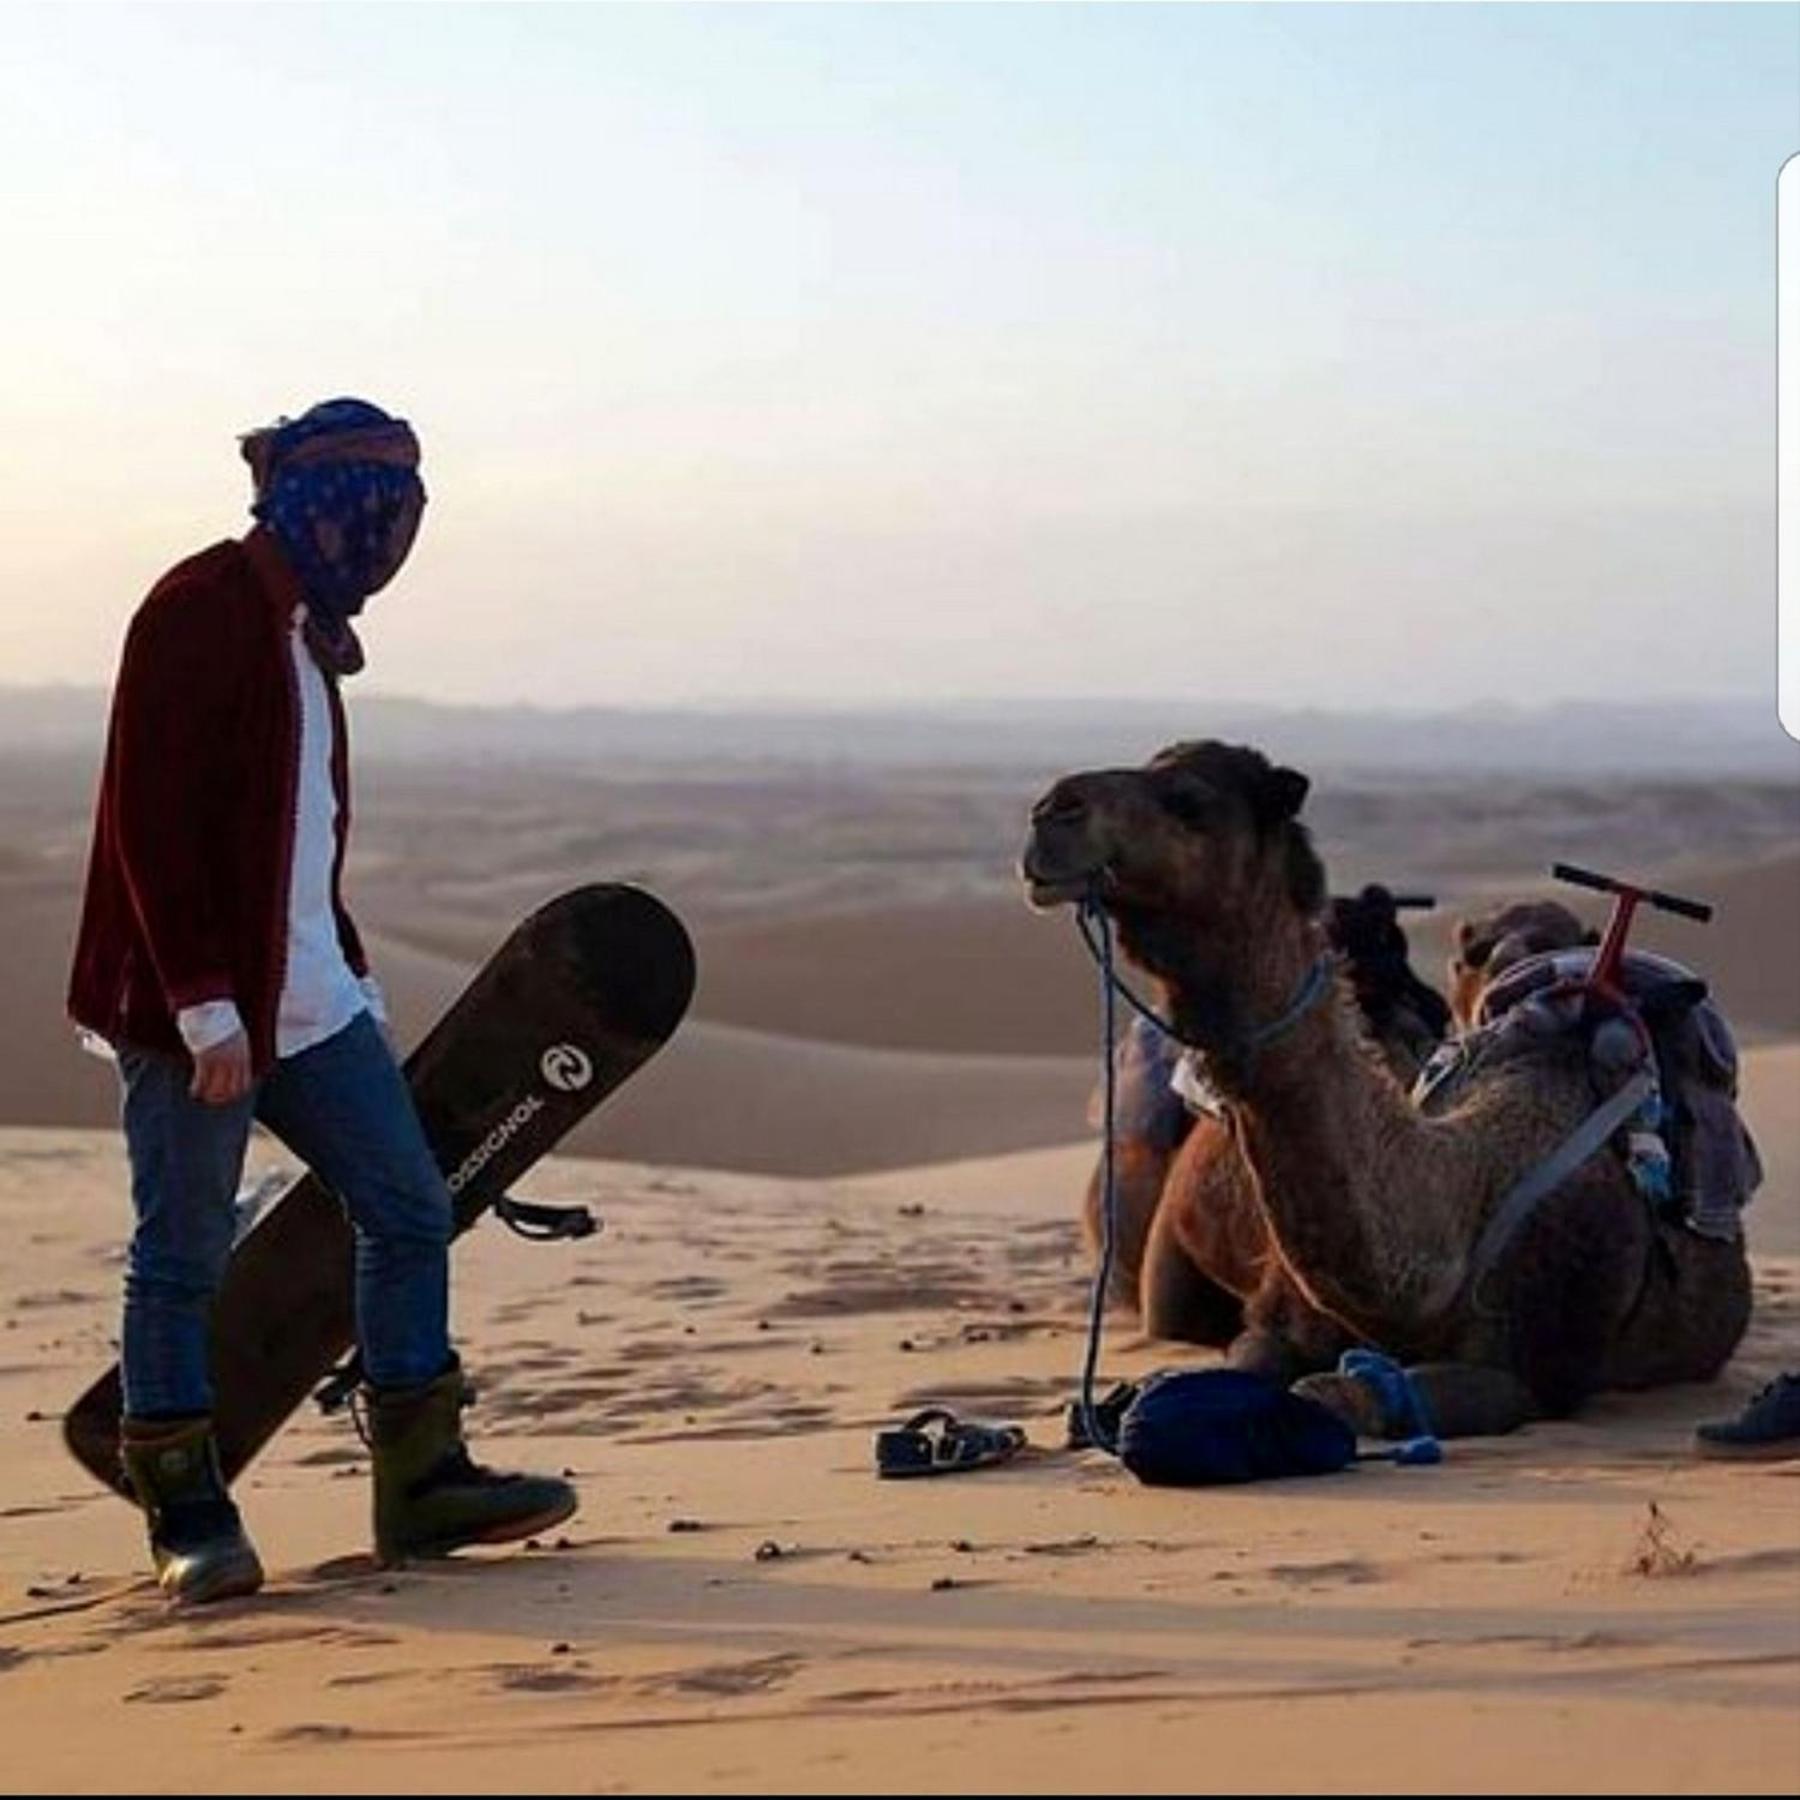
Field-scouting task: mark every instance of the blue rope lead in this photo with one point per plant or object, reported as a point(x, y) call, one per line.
point(1098, 937)
point(1103, 954)
point(1311, 991)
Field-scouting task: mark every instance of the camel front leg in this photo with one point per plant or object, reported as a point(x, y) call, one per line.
point(1446, 1400)
point(1284, 1336)
point(1178, 1300)
point(1139, 1170)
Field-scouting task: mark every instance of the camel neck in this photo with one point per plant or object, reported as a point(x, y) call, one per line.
point(1237, 1008)
point(1335, 1146)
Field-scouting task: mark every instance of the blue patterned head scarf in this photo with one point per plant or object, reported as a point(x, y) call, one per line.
point(339, 490)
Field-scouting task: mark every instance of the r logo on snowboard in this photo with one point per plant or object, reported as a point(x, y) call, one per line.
point(566, 1068)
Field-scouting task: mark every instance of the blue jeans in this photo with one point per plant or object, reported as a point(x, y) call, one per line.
point(343, 1108)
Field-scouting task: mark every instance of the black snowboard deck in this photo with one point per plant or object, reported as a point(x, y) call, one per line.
point(578, 998)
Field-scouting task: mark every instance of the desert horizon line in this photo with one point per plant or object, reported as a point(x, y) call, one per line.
point(802, 705)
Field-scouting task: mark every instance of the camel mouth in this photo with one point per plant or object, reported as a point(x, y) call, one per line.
point(1047, 889)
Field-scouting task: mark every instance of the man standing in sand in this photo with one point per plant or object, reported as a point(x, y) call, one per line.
point(216, 958)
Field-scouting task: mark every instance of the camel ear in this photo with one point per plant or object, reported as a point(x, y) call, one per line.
point(1281, 795)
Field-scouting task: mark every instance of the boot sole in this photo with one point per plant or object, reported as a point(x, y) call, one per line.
point(510, 1532)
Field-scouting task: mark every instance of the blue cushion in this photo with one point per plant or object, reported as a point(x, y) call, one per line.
point(1200, 1427)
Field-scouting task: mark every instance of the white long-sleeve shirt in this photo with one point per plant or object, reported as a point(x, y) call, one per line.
point(319, 995)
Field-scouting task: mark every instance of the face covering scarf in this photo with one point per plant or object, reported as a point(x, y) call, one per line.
point(338, 488)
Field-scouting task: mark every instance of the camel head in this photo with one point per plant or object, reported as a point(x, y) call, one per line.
point(1191, 854)
point(1489, 943)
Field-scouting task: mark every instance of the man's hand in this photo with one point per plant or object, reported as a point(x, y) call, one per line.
point(222, 1074)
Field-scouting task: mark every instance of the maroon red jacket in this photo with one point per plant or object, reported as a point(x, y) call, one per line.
point(187, 886)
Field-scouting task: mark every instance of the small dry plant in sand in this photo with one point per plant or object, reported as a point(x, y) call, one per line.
point(1658, 1550)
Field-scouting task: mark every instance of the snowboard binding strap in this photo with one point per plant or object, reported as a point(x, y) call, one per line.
point(545, 1224)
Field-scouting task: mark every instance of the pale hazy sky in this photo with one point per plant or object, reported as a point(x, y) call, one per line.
point(1322, 354)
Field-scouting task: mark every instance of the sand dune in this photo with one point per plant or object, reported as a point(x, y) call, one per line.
point(975, 975)
point(985, 974)
point(727, 1097)
point(722, 1096)
point(826, 1043)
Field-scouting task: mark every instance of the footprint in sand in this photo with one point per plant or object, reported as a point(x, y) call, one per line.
point(685, 1287)
point(1054, 1252)
point(1000, 1391)
point(798, 1420)
point(531, 1678)
point(862, 1285)
point(1351, 1570)
point(176, 1689)
point(554, 1401)
point(729, 1680)
point(515, 1312)
point(557, 1356)
point(255, 1636)
point(60, 1297)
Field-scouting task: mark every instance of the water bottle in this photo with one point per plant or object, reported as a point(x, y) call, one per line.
point(1647, 1155)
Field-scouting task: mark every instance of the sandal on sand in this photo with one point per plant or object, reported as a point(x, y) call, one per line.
point(915, 1449)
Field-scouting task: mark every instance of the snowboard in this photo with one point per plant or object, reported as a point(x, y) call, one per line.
point(579, 997)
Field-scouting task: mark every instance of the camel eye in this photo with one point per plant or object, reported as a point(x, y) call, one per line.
point(1190, 804)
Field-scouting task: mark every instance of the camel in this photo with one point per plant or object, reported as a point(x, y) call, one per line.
point(1190, 1253)
point(1489, 943)
point(1374, 1208)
